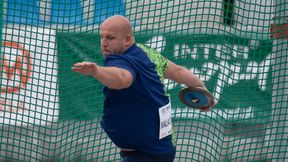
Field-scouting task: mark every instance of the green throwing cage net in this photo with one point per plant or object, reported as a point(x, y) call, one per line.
point(238, 48)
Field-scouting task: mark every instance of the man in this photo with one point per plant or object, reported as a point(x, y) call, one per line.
point(137, 111)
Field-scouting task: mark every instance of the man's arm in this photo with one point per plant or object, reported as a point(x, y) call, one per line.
point(112, 77)
point(182, 75)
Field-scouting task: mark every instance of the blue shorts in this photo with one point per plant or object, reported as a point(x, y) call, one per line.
point(136, 156)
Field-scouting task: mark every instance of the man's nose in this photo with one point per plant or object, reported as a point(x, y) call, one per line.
point(104, 42)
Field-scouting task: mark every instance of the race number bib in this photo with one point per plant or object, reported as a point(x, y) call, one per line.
point(165, 121)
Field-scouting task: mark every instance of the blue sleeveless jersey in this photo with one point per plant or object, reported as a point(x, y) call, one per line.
point(130, 116)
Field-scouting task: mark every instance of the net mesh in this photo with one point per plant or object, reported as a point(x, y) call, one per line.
point(49, 113)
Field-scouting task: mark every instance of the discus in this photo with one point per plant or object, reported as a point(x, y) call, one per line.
point(196, 98)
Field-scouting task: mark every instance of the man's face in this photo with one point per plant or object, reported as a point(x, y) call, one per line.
point(112, 42)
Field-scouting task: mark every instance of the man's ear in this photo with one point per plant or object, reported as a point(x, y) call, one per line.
point(128, 40)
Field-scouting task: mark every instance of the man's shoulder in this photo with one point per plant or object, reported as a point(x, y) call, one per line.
point(146, 48)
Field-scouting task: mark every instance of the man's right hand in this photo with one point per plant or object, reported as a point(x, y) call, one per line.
point(85, 68)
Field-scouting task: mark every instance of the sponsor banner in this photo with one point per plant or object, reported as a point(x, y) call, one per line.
point(28, 67)
point(236, 70)
point(80, 96)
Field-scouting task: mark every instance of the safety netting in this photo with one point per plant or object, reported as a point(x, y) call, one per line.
point(237, 47)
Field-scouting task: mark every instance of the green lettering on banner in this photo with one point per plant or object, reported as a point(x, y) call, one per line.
point(236, 70)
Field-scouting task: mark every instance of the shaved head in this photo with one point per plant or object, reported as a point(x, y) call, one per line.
point(118, 23)
point(116, 35)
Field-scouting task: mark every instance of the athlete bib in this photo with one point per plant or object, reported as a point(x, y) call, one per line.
point(165, 114)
